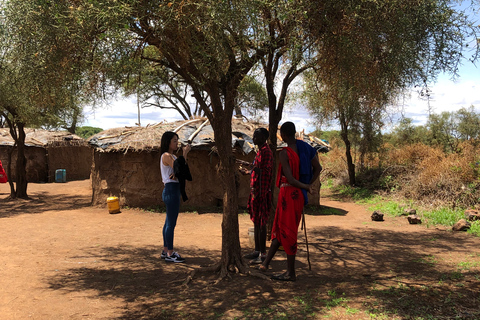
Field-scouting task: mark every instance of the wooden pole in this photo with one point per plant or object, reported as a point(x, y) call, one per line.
point(304, 227)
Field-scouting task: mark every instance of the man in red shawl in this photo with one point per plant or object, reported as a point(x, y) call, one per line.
point(290, 200)
point(3, 175)
point(260, 199)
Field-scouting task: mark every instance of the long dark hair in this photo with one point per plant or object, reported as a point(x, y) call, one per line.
point(166, 139)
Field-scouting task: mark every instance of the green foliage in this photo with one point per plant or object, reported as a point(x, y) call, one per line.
point(445, 130)
point(87, 131)
point(475, 228)
point(252, 96)
point(406, 133)
point(332, 136)
point(357, 194)
point(389, 207)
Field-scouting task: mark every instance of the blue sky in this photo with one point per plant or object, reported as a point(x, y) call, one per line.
point(446, 95)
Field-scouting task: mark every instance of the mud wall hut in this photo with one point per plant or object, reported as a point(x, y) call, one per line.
point(46, 151)
point(126, 163)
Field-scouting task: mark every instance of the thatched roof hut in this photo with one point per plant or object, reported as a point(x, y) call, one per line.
point(127, 162)
point(46, 151)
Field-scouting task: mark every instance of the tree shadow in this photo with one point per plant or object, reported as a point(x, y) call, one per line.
point(40, 202)
point(152, 287)
point(322, 210)
point(393, 269)
point(404, 273)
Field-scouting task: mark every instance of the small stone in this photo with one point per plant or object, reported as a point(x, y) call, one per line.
point(409, 211)
point(461, 225)
point(414, 219)
point(472, 215)
point(377, 216)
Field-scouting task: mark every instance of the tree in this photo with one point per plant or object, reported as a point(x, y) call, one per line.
point(210, 45)
point(37, 84)
point(406, 133)
point(252, 97)
point(468, 123)
point(443, 132)
point(87, 131)
point(159, 87)
point(375, 51)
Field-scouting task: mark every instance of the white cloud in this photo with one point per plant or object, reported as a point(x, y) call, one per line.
point(446, 96)
point(124, 112)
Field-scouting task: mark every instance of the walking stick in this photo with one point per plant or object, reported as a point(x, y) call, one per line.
point(304, 227)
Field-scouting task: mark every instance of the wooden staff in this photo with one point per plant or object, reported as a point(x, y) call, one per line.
point(304, 227)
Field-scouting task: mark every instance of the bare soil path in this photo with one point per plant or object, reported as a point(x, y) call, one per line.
point(60, 258)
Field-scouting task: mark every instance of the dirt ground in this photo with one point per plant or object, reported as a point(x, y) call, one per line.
point(64, 259)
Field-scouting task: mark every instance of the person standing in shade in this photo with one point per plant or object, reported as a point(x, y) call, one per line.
point(291, 198)
point(171, 193)
point(259, 202)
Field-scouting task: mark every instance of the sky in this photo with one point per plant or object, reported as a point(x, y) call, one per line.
point(446, 95)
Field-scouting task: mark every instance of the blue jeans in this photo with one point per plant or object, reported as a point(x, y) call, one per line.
point(171, 197)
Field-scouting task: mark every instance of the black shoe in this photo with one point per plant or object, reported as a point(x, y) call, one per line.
point(174, 257)
point(252, 255)
point(257, 260)
point(283, 277)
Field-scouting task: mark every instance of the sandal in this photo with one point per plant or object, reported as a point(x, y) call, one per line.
point(283, 277)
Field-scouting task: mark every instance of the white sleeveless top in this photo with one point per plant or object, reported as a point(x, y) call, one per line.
point(167, 171)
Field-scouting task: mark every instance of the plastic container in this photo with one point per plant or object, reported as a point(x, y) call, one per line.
point(113, 205)
point(61, 175)
point(251, 236)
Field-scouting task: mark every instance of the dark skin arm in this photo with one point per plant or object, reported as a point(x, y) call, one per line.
point(287, 172)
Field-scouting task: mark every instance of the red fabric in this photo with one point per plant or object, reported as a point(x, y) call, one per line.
point(3, 175)
point(289, 207)
point(260, 198)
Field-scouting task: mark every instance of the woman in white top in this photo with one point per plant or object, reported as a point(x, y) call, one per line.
point(171, 193)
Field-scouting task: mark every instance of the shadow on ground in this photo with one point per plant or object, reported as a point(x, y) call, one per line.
point(41, 202)
point(322, 210)
point(359, 274)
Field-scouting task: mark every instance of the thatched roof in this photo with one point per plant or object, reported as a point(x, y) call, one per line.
point(197, 132)
point(42, 138)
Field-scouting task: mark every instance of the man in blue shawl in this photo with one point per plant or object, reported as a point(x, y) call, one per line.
point(310, 167)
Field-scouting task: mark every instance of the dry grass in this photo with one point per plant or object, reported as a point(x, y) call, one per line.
point(418, 172)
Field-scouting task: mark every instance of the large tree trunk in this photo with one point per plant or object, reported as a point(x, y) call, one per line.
point(17, 131)
point(348, 153)
point(20, 170)
point(231, 259)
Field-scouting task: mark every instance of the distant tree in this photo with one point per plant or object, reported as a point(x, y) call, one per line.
point(252, 98)
point(329, 136)
point(87, 131)
point(157, 86)
point(468, 123)
point(443, 131)
point(406, 133)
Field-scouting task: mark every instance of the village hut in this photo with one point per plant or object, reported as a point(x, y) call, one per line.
point(46, 152)
point(126, 162)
